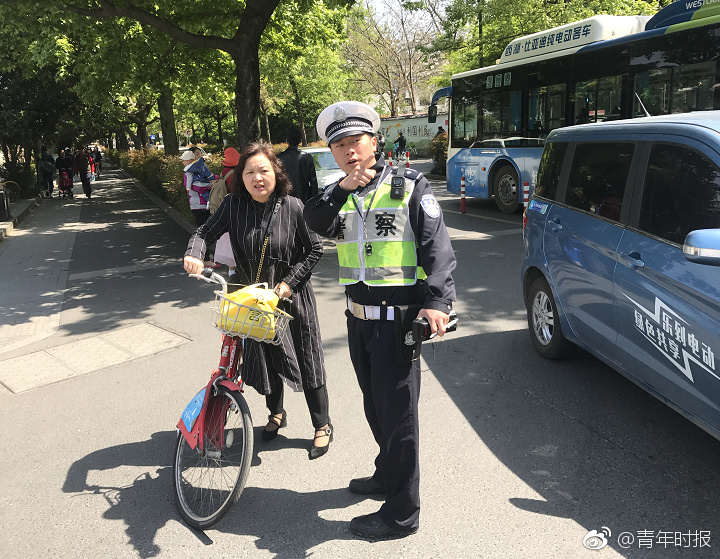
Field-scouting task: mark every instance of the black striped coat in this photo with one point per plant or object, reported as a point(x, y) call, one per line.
point(291, 253)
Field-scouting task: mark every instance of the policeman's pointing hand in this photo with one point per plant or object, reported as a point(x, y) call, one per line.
point(360, 175)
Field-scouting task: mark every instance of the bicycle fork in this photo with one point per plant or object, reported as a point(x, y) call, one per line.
point(204, 417)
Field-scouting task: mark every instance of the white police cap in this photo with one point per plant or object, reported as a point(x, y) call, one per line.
point(346, 118)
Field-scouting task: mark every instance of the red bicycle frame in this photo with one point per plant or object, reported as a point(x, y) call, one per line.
point(195, 417)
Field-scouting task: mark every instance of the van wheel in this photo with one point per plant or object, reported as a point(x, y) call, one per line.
point(506, 189)
point(544, 322)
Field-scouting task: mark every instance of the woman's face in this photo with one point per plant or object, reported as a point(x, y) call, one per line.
point(259, 177)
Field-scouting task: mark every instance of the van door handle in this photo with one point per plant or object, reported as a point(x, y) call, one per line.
point(555, 225)
point(633, 259)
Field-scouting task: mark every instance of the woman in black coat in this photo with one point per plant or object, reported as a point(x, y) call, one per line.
point(291, 253)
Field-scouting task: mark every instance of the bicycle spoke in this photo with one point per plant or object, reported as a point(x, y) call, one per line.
point(208, 482)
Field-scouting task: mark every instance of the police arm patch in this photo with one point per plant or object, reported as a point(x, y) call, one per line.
point(430, 206)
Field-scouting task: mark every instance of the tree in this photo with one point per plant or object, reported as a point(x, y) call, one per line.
point(301, 66)
point(387, 54)
point(226, 25)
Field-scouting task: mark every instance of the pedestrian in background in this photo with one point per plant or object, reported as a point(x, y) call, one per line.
point(47, 170)
point(197, 178)
point(396, 263)
point(97, 157)
point(225, 184)
point(299, 166)
point(400, 144)
point(84, 166)
point(272, 244)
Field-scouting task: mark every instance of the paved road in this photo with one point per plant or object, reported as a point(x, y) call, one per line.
point(103, 340)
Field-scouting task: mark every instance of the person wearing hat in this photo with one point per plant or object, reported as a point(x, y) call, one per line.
point(395, 260)
point(197, 179)
point(197, 183)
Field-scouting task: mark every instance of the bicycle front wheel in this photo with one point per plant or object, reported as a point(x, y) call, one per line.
point(208, 482)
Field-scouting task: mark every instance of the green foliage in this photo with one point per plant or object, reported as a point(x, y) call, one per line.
point(438, 149)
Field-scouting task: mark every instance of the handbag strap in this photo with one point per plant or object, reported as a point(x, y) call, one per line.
point(267, 237)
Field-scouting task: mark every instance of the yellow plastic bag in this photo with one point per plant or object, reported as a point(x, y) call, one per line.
point(249, 312)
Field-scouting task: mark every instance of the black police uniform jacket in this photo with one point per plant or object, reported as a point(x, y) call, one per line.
point(435, 253)
point(292, 252)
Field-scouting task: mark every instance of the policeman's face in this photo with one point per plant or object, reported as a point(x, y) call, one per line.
point(352, 150)
point(259, 178)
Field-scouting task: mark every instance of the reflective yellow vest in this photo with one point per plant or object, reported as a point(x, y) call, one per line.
point(382, 252)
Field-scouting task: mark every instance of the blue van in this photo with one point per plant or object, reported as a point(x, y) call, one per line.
point(621, 254)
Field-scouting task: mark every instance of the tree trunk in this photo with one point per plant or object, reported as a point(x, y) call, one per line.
point(167, 121)
point(298, 109)
point(133, 137)
point(219, 119)
point(247, 94)
point(121, 140)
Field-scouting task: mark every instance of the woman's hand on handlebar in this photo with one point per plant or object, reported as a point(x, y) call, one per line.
point(193, 265)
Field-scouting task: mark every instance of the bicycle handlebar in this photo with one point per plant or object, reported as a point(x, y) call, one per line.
point(209, 275)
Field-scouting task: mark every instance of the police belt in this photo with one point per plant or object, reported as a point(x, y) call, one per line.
point(370, 312)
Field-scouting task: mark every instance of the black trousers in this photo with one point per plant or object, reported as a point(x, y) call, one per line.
point(85, 179)
point(317, 403)
point(391, 391)
point(47, 181)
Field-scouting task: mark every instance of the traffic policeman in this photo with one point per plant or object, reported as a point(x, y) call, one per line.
point(395, 260)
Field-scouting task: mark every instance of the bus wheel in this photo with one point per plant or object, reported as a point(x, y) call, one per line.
point(506, 189)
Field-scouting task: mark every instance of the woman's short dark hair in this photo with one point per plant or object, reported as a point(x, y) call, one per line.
point(283, 186)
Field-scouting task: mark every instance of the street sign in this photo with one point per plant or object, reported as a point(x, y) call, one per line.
point(152, 136)
point(188, 132)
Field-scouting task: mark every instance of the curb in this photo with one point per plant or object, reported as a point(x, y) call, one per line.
point(172, 213)
point(19, 211)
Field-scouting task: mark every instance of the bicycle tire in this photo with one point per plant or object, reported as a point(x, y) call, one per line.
point(13, 190)
point(208, 483)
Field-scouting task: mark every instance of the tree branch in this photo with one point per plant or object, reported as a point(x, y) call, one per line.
point(108, 10)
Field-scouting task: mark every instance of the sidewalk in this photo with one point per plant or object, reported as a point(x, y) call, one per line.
point(51, 241)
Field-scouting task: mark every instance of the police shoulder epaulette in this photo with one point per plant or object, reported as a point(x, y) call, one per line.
point(412, 174)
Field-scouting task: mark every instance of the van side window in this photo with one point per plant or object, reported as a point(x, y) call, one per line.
point(681, 193)
point(598, 178)
point(549, 170)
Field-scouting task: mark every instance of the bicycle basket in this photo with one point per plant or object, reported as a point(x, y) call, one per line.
point(248, 314)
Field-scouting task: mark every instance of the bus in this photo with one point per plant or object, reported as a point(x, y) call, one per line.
point(598, 69)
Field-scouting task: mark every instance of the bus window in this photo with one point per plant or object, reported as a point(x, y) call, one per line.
point(464, 125)
point(693, 87)
point(501, 114)
point(546, 109)
point(652, 88)
point(598, 99)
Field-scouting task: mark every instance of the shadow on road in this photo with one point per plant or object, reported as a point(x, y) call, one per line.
point(271, 516)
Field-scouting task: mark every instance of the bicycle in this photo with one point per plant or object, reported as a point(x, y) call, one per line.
point(12, 188)
point(215, 433)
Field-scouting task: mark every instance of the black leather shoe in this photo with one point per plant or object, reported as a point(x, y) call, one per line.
point(365, 486)
point(270, 434)
point(371, 526)
point(318, 451)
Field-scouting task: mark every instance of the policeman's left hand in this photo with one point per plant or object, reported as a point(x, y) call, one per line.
point(436, 319)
